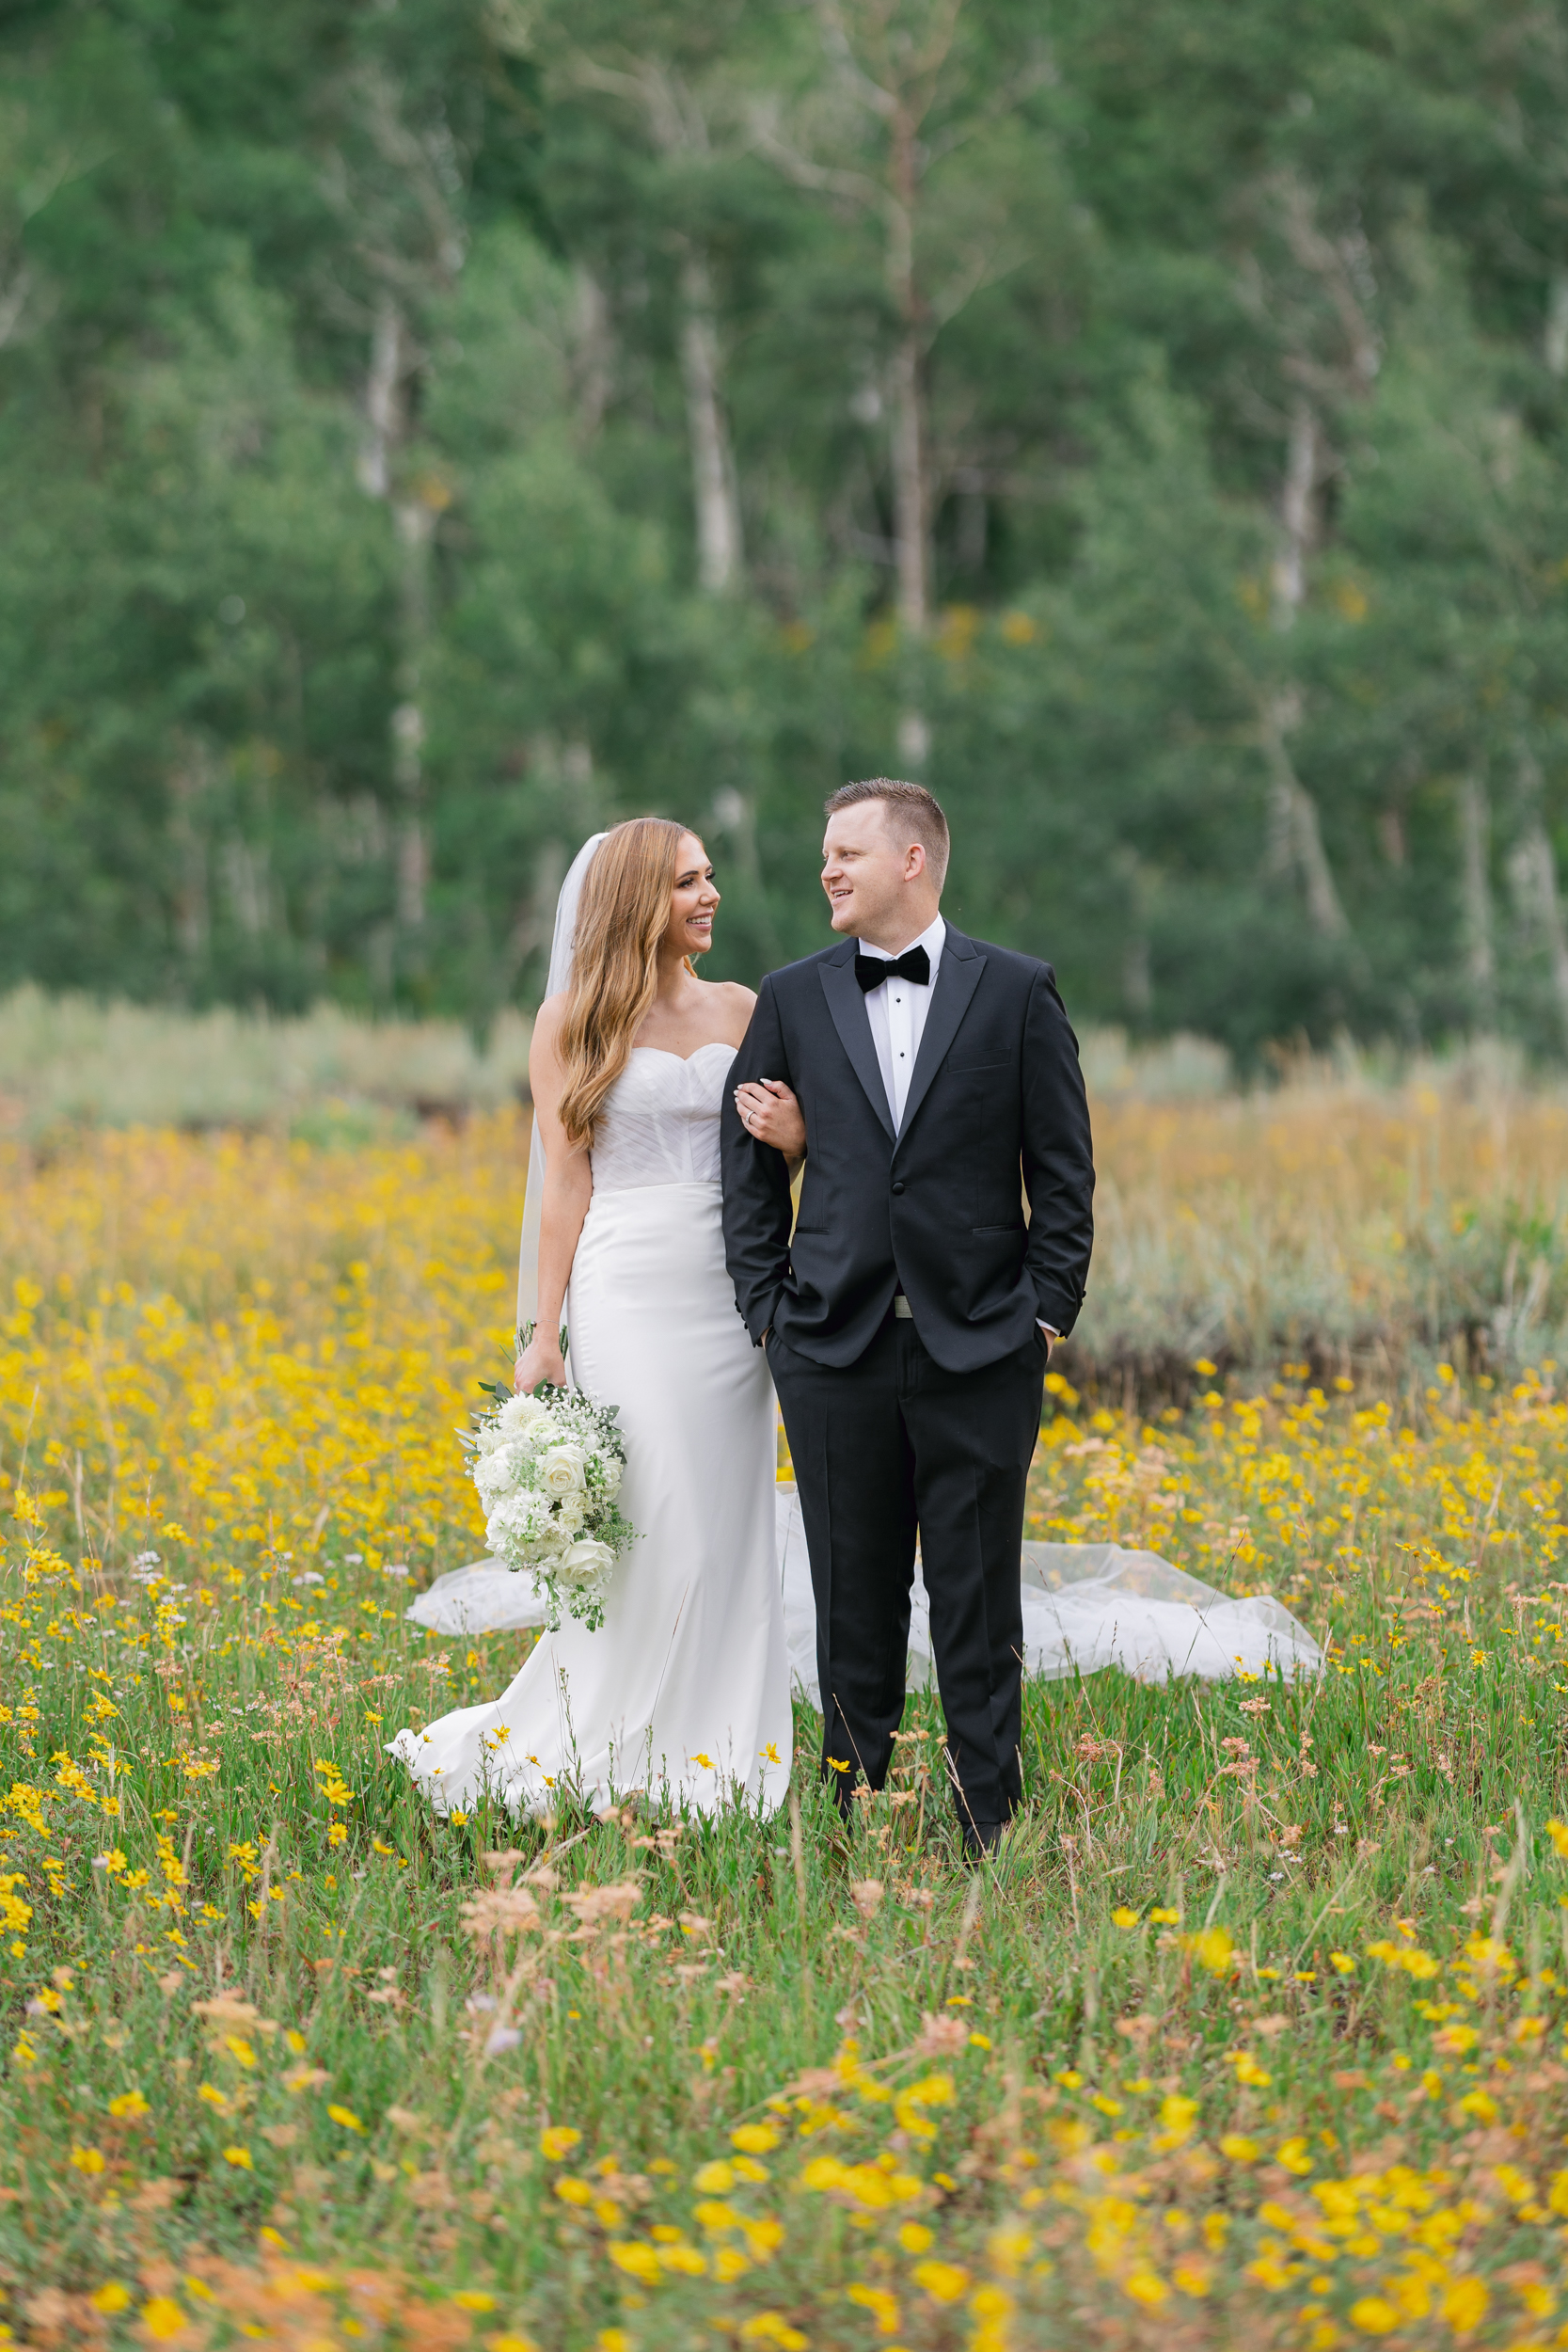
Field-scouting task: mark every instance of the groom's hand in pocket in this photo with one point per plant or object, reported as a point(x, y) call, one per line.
point(770, 1114)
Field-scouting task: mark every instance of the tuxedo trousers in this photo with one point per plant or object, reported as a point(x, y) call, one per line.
point(884, 1448)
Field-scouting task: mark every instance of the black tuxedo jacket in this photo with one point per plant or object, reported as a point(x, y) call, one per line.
point(995, 1112)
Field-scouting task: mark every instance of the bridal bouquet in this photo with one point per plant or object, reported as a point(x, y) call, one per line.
point(547, 1469)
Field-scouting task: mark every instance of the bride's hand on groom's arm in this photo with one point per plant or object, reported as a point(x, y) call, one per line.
point(770, 1114)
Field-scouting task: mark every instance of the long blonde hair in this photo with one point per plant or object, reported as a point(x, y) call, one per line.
point(623, 914)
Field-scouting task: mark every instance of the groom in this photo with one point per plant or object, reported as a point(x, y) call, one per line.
point(909, 1318)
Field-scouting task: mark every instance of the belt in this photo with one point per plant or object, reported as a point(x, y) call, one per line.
point(903, 1311)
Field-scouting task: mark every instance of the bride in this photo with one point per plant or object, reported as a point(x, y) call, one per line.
point(684, 1691)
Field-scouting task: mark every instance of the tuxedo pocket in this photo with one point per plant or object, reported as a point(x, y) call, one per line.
point(975, 1069)
point(1009, 1225)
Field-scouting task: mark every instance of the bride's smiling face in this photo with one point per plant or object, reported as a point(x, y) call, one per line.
point(692, 900)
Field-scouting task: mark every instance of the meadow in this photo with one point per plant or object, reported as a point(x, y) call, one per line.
point(1257, 2027)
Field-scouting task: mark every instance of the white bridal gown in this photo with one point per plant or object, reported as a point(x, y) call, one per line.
point(684, 1691)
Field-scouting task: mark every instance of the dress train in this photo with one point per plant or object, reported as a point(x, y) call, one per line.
point(1085, 1606)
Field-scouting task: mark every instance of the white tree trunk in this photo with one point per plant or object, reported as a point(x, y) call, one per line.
point(384, 431)
point(534, 924)
point(912, 489)
point(910, 496)
point(1298, 514)
point(713, 477)
point(247, 878)
point(383, 421)
point(914, 740)
point(1554, 345)
point(416, 525)
point(1323, 898)
point(1534, 864)
point(1294, 833)
point(13, 303)
point(1475, 830)
point(1295, 837)
point(592, 350)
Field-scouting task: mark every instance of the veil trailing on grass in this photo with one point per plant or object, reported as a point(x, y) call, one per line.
point(1085, 1606)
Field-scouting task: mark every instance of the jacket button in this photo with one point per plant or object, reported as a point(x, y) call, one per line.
point(899, 1186)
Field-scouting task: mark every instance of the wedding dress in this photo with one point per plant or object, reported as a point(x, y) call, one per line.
point(684, 1691)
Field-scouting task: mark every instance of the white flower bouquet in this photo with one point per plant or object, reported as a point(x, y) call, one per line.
point(547, 1469)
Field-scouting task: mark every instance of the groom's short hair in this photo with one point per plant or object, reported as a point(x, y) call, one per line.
point(908, 806)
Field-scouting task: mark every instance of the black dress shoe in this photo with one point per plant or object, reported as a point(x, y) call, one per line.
point(981, 1838)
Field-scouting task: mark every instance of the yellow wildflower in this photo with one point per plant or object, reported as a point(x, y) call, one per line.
point(944, 2283)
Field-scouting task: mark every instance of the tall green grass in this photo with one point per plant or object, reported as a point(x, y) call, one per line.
point(69, 1063)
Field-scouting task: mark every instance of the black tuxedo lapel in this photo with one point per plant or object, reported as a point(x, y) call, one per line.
point(957, 977)
point(846, 1003)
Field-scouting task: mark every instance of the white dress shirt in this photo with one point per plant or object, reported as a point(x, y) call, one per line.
point(896, 1013)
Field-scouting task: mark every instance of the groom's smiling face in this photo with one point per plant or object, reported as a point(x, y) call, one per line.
point(876, 878)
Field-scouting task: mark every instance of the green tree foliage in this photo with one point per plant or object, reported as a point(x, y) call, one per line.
point(428, 431)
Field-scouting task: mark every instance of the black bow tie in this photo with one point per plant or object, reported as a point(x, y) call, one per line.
point(913, 964)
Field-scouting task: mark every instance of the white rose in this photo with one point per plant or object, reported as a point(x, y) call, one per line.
point(495, 1474)
point(610, 1476)
point(585, 1562)
point(517, 1413)
point(561, 1469)
point(570, 1512)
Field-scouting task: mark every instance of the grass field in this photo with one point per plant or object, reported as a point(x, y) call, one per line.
point(1257, 2031)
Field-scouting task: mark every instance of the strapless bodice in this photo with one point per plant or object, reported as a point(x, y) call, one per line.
point(660, 1125)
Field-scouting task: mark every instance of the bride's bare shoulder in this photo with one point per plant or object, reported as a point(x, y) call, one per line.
point(735, 1004)
point(548, 1022)
point(735, 996)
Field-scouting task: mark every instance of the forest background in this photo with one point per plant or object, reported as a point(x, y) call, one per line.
point(432, 428)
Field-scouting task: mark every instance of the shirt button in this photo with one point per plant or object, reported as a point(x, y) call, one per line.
point(899, 1186)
